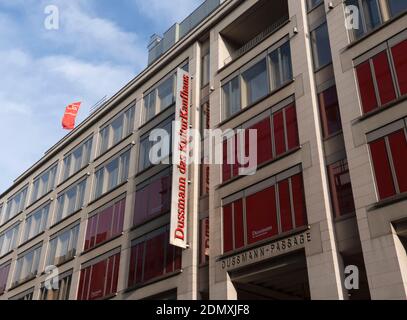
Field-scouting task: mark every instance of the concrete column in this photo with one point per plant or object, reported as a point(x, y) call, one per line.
point(323, 259)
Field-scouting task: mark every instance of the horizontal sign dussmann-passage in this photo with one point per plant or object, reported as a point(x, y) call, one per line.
point(265, 252)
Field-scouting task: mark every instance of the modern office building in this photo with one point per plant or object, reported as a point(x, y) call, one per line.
point(329, 105)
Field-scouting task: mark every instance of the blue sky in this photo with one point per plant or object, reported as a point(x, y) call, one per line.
point(100, 45)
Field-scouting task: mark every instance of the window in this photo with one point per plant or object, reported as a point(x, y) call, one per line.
point(99, 280)
point(117, 130)
point(152, 256)
point(370, 16)
point(397, 6)
point(105, 225)
point(231, 97)
point(313, 3)
point(71, 201)
point(36, 223)
point(59, 291)
point(63, 246)
point(321, 49)
point(15, 205)
point(341, 188)
point(153, 198)
point(253, 83)
point(25, 296)
point(329, 110)
point(400, 63)
point(262, 214)
point(77, 159)
point(112, 174)
point(166, 93)
point(375, 77)
point(388, 154)
point(205, 69)
point(44, 183)
point(160, 97)
point(27, 266)
point(145, 147)
point(277, 134)
point(8, 240)
point(204, 241)
point(281, 69)
point(4, 272)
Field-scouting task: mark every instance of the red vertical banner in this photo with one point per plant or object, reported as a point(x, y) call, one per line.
point(68, 121)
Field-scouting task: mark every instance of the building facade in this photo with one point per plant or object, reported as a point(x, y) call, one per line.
point(328, 199)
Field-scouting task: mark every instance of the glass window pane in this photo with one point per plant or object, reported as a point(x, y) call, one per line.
point(366, 87)
point(231, 97)
point(398, 145)
point(255, 81)
point(397, 6)
point(117, 129)
point(166, 93)
point(104, 139)
point(384, 79)
point(371, 13)
point(321, 47)
point(227, 228)
point(149, 106)
point(330, 114)
point(341, 188)
point(400, 63)
point(261, 223)
point(382, 169)
point(112, 170)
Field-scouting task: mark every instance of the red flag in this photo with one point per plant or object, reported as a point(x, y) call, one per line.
point(68, 121)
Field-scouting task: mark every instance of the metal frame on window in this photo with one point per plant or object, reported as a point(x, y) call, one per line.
point(244, 194)
point(384, 133)
point(368, 57)
point(239, 74)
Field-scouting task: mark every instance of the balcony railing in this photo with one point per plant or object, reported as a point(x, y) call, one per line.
point(257, 39)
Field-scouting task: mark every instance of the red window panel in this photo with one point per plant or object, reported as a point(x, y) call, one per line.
point(366, 87)
point(279, 135)
point(329, 110)
point(341, 188)
point(154, 258)
point(292, 127)
point(261, 215)
point(239, 228)
point(227, 228)
point(4, 271)
point(91, 233)
point(115, 278)
point(264, 144)
point(97, 281)
point(155, 203)
point(300, 212)
point(178, 259)
point(400, 62)
point(104, 225)
point(382, 169)
point(141, 206)
point(398, 146)
point(226, 168)
point(140, 263)
point(119, 209)
point(166, 193)
point(236, 164)
point(285, 206)
point(383, 78)
point(132, 268)
point(169, 263)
